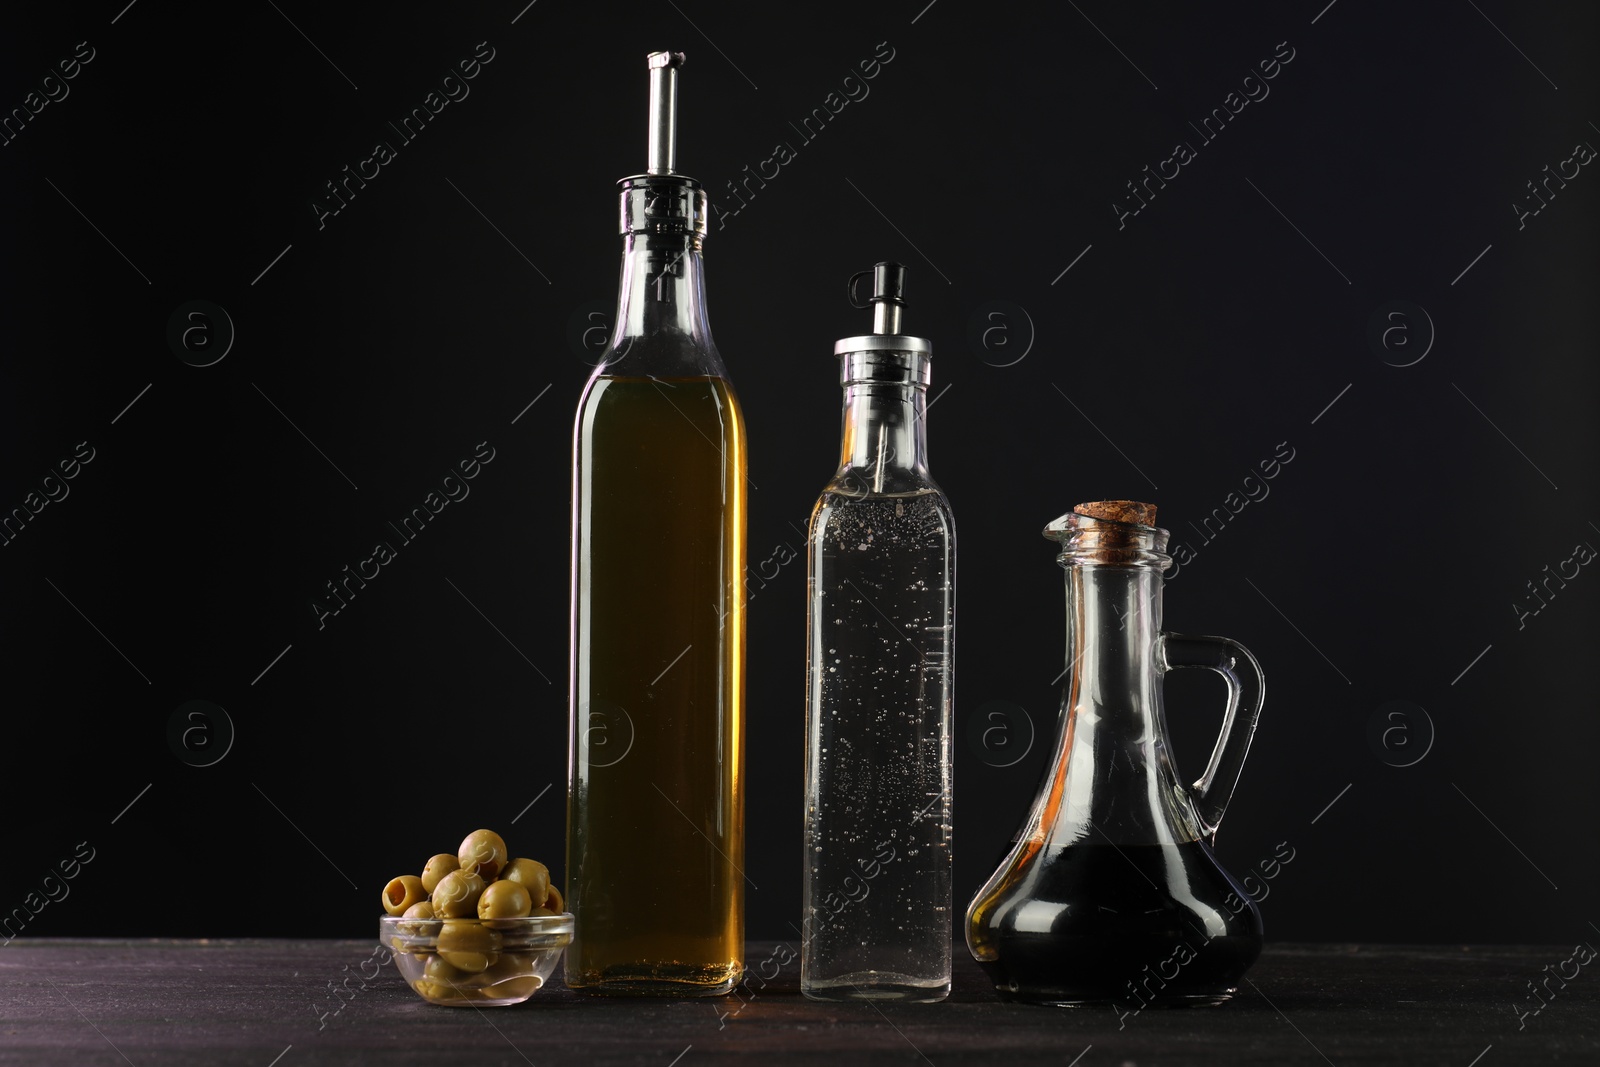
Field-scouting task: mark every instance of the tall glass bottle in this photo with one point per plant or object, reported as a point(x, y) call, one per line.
point(655, 810)
point(880, 622)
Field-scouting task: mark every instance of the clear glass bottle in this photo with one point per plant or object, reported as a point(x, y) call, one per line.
point(655, 810)
point(880, 625)
point(1111, 894)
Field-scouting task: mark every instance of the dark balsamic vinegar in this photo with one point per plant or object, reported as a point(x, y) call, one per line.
point(1132, 925)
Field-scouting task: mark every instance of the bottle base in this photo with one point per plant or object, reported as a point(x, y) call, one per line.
point(663, 981)
point(877, 985)
point(1070, 970)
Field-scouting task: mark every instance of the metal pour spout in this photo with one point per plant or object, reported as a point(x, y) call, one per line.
point(888, 297)
point(664, 111)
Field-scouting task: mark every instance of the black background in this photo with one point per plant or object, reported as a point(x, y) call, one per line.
point(1178, 352)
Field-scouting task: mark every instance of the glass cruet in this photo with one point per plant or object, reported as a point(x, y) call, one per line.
point(1111, 893)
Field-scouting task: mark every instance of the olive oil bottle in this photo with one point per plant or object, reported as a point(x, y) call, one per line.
point(655, 807)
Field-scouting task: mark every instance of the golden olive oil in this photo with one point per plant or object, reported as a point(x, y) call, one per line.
point(655, 840)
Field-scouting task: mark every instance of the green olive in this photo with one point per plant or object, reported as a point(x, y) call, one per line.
point(513, 976)
point(504, 900)
point(467, 935)
point(521, 988)
point(532, 876)
point(456, 895)
point(436, 868)
point(468, 946)
point(434, 992)
point(440, 970)
point(542, 912)
point(420, 910)
point(402, 892)
point(483, 852)
point(441, 981)
point(470, 962)
point(555, 902)
point(512, 965)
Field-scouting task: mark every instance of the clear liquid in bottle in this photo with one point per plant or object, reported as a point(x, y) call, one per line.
point(881, 617)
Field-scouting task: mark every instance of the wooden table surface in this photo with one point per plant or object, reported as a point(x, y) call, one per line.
point(266, 1003)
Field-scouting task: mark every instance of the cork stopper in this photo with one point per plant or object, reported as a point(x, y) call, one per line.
point(1111, 532)
point(1118, 511)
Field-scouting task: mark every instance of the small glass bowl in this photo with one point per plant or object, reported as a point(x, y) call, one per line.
point(476, 962)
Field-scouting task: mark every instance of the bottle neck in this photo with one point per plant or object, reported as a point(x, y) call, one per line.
point(885, 433)
point(1114, 619)
point(884, 446)
point(1115, 777)
point(662, 291)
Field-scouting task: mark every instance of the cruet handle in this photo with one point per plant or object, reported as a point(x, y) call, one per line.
point(1246, 690)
